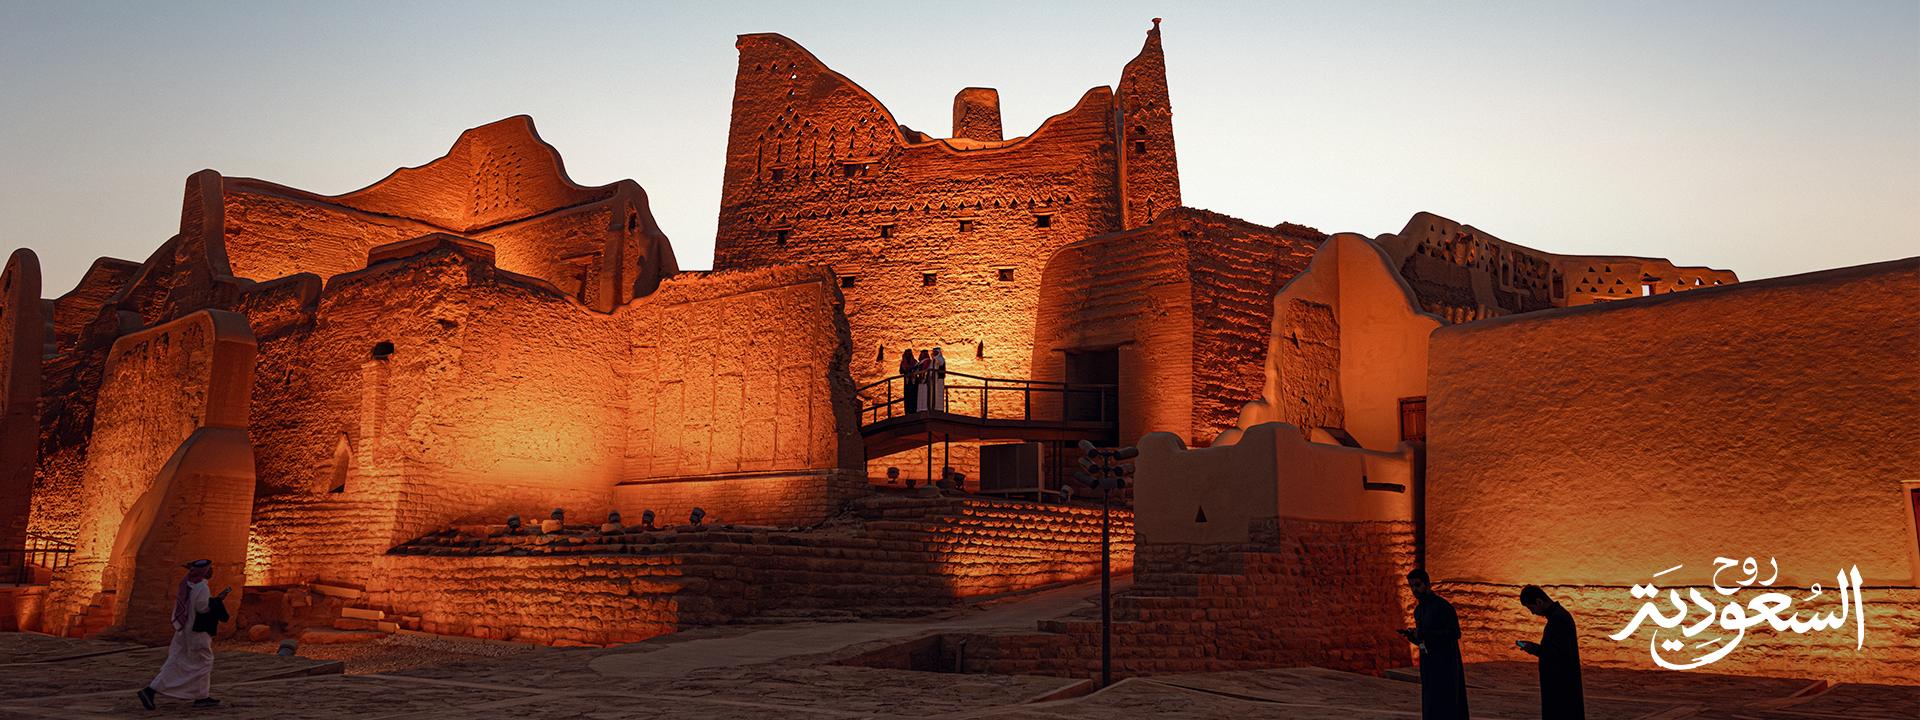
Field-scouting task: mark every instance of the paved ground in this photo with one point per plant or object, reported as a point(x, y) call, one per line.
point(780, 671)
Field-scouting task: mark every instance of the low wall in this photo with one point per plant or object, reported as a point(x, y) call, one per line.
point(905, 556)
point(1270, 552)
point(1325, 594)
point(778, 498)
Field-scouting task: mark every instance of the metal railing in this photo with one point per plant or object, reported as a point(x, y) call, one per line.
point(975, 396)
point(38, 552)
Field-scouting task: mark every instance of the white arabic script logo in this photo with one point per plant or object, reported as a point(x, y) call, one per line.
point(1734, 618)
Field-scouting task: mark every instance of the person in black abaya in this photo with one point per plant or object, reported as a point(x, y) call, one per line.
point(909, 370)
point(1436, 629)
point(1559, 653)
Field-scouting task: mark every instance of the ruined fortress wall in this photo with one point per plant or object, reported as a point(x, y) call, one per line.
point(430, 389)
point(495, 395)
point(1127, 290)
point(1599, 445)
point(1236, 268)
point(1348, 343)
point(1463, 273)
point(22, 337)
point(1149, 168)
point(500, 183)
point(273, 231)
point(741, 401)
point(816, 168)
point(1193, 285)
point(161, 386)
point(80, 307)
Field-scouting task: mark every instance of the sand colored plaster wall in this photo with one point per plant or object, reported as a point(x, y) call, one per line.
point(1348, 342)
point(1271, 473)
point(1599, 445)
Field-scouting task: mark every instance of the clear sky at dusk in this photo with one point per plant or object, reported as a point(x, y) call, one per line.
point(1767, 138)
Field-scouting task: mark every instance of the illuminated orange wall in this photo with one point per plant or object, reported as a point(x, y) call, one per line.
point(1185, 300)
point(1348, 341)
point(500, 183)
point(22, 335)
point(167, 451)
point(1596, 446)
point(502, 396)
point(816, 158)
point(1768, 418)
point(1463, 273)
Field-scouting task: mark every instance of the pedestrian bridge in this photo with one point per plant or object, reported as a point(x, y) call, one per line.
point(984, 408)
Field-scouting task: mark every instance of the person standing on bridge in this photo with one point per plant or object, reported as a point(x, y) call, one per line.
point(922, 381)
point(909, 371)
point(937, 382)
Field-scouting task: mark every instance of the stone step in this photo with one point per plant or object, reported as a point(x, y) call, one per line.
point(360, 613)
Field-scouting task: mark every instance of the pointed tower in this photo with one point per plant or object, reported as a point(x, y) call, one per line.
point(1149, 172)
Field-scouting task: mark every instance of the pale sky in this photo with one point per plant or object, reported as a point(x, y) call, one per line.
point(1767, 138)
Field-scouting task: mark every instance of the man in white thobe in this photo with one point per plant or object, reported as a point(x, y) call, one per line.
point(188, 671)
point(937, 382)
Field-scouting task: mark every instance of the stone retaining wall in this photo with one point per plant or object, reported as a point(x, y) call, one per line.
point(1326, 594)
point(902, 556)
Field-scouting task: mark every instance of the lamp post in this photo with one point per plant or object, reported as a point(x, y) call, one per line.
point(1104, 470)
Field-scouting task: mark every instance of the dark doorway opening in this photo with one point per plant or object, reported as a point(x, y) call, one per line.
point(1093, 368)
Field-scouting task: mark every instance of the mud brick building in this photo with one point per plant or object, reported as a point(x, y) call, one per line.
point(426, 400)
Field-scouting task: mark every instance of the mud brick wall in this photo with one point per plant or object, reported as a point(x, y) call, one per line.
point(1186, 299)
point(819, 172)
point(1771, 418)
point(776, 498)
point(1327, 594)
point(1491, 618)
point(23, 333)
point(1237, 268)
point(743, 371)
point(903, 557)
point(500, 183)
point(428, 389)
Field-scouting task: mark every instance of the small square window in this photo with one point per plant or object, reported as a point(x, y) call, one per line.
point(847, 281)
point(886, 231)
point(1043, 221)
point(779, 174)
point(966, 226)
point(1139, 147)
point(780, 236)
point(929, 278)
point(1005, 274)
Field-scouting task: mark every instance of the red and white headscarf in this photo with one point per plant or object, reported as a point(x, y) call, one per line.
point(197, 571)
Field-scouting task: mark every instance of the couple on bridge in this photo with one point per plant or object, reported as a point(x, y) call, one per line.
point(925, 379)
